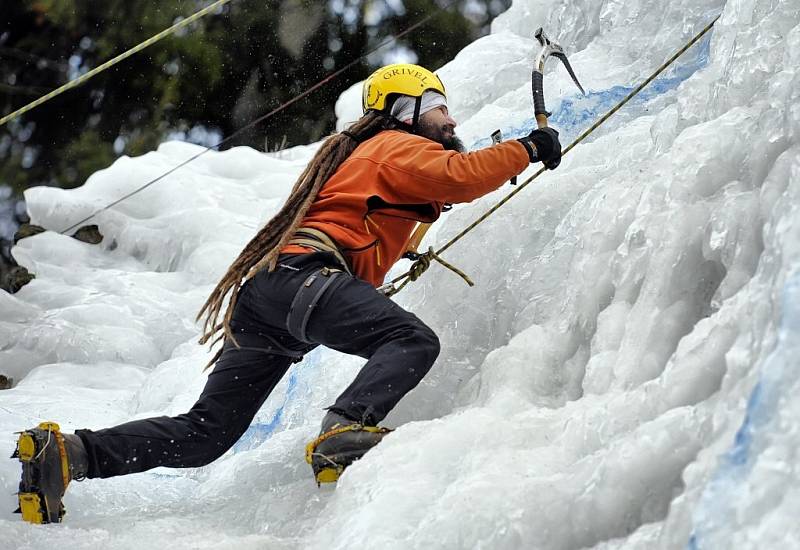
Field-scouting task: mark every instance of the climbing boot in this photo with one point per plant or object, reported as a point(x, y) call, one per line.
point(50, 460)
point(341, 442)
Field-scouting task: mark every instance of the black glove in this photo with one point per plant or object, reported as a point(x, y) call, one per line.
point(543, 145)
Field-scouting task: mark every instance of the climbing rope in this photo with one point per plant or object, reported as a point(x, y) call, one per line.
point(421, 264)
point(100, 68)
point(262, 118)
point(423, 261)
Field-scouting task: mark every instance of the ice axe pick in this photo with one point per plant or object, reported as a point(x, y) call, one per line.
point(549, 49)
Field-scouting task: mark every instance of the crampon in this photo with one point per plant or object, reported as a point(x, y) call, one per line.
point(50, 460)
point(340, 444)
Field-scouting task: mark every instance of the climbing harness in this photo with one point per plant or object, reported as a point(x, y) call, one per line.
point(74, 83)
point(260, 119)
point(308, 296)
point(391, 288)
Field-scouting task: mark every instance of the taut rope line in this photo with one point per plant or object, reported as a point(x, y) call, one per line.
point(100, 68)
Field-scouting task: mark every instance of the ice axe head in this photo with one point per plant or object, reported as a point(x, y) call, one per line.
point(549, 49)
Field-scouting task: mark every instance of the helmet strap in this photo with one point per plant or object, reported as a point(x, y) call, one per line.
point(397, 124)
point(415, 119)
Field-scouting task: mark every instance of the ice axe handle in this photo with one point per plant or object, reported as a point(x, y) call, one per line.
point(539, 110)
point(415, 240)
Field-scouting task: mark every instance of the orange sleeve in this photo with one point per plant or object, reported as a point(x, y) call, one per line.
point(415, 168)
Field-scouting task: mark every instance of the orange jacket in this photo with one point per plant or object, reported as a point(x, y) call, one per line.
point(372, 203)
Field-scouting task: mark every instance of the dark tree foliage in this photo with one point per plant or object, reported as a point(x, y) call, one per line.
point(208, 81)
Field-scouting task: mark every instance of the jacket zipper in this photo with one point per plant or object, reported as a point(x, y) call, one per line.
point(377, 241)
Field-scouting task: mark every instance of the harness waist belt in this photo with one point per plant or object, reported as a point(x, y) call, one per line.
point(319, 241)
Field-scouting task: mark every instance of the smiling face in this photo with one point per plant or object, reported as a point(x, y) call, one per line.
point(439, 126)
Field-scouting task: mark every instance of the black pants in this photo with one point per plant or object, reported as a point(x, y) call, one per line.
point(352, 318)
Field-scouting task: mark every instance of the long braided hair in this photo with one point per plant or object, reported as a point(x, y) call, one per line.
point(263, 249)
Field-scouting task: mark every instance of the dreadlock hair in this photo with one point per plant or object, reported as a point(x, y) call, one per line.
point(263, 249)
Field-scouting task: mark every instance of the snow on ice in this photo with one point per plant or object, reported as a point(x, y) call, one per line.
point(622, 376)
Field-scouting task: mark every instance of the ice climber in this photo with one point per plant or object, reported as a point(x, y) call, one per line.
point(310, 277)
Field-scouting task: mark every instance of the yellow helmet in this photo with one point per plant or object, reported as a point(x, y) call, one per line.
point(399, 78)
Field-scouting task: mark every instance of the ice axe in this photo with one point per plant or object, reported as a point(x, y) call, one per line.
point(549, 49)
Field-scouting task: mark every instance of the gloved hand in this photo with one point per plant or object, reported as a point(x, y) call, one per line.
point(543, 145)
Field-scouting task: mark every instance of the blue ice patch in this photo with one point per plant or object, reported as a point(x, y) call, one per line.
point(577, 112)
point(259, 432)
point(753, 436)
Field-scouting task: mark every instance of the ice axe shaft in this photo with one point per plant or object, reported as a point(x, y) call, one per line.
point(549, 49)
point(415, 240)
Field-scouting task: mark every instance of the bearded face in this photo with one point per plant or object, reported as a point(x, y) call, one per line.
point(438, 126)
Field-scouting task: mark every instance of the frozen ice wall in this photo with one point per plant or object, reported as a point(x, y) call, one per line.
point(622, 375)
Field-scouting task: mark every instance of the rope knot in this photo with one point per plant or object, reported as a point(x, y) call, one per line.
point(421, 264)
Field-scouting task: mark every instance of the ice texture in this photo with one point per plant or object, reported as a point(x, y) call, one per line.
point(623, 374)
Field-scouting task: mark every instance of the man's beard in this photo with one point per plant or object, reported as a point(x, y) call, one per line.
point(442, 135)
point(452, 143)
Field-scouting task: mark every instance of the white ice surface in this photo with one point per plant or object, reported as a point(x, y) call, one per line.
point(623, 374)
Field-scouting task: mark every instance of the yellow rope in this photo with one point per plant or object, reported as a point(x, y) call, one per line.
point(83, 78)
point(414, 272)
point(420, 266)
